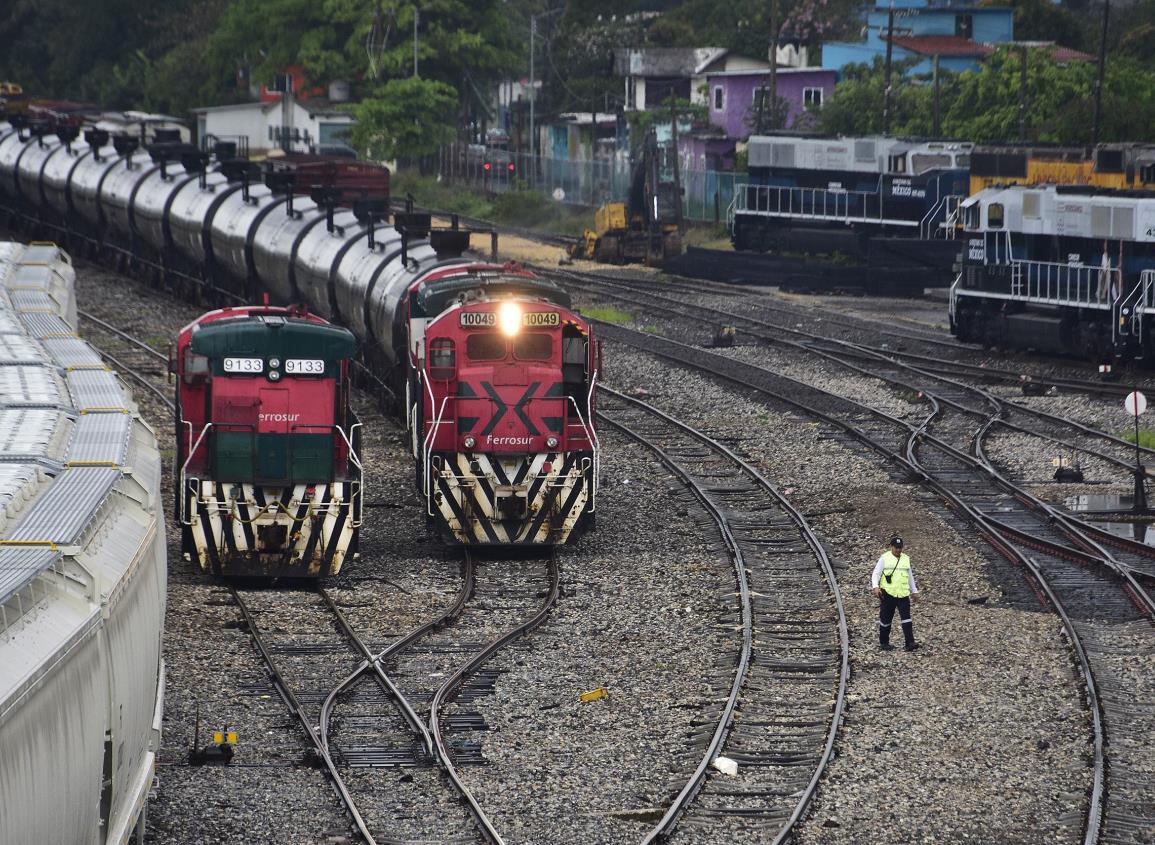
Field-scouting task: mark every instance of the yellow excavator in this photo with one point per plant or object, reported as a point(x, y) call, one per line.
point(13, 101)
point(648, 226)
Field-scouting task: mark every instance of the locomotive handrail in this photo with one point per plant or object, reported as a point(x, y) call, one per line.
point(426, 452)
point(815, 203)
point(1137, 301)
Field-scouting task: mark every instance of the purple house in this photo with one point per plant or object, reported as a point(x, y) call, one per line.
point(733, 97)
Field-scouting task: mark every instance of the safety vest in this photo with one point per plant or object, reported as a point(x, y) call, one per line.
point(899, 571)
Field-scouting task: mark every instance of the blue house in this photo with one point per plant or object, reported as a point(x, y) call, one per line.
point(961, 34)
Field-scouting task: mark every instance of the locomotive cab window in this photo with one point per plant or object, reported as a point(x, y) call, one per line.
point(898, 163)
point(995, 215)
point(922, 162)
point(533, 347)
point(442, 358)
point(574, 356)
point(485, 346)
point(196, 367)
point(972, 217)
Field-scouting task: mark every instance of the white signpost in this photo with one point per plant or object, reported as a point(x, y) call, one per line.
point(1136, 403)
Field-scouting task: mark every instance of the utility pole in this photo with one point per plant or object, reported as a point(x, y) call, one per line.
point(1102, 71)
point(1022, 94)
point(416, 19)
point(937, 124)
point(773, 68)
point(532, 87)
point(886, 80)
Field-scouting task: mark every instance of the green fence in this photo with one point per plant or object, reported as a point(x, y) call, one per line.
point(706, 194)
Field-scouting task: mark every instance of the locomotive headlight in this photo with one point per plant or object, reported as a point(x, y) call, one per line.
point(509, 315)
point(551, 442)
point(274, 375)
point(469, 441)
point(274, 362)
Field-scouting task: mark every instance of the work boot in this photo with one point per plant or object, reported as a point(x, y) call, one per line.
point(911, 646)
point(885, 647)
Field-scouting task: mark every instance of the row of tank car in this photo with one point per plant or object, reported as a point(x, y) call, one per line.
point(82, 573)
point(488, 365)
point(1045, 248)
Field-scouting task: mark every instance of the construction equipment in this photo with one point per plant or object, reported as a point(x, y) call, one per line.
point(648, 226)
point(13, 101)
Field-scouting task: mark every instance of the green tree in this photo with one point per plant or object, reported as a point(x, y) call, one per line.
point(855, 108)
point(405, 119)
point(983, 105)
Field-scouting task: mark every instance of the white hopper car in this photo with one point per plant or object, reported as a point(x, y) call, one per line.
point(82, 573)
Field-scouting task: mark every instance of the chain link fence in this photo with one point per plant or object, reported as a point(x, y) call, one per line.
point(706, 194)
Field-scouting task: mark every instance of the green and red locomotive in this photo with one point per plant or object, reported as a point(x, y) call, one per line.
point(268, 475)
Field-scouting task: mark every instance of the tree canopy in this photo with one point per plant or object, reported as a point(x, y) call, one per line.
point(179, 54)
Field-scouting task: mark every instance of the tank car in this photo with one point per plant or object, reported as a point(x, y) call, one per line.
point(1060, 269)
point(82, 573)
point(269, 480)
point(318, 231)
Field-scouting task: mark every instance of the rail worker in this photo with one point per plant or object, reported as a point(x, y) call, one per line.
point(893, 583)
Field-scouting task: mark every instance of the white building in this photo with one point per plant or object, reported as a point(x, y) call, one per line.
point(312, 125)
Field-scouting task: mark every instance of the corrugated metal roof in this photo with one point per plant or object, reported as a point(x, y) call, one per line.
point(32, 300)
point(27, 432)
point(16, 483)
point(19, 565)
point(30, 385)
point(100, 437)
point(61, 514)
point(941, 45)
point(72, 352)
point(17, 349)
point(36, 276)
point(96, 389)
point(8, 322)
point(41, 254)
point(46, 325)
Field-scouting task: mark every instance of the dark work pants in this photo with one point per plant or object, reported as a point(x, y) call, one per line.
point(886, 608)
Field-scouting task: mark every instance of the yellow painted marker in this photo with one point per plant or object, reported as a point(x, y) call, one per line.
point(595, 694)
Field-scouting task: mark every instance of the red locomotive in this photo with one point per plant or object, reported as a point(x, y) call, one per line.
point(503, 420)
point(269, 480)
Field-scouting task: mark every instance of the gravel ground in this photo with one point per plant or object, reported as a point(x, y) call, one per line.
point(647, 647)
point(916, 723)
point(939, 734)
point(599, 771)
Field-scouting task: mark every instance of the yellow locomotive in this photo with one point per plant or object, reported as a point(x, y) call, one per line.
point(1120, 166)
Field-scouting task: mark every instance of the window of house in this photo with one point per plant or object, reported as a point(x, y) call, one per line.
point(719, 98)
point(964, 26)
point(812, 98)
point(995, 215)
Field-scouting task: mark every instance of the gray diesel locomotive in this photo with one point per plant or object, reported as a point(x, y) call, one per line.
point(1067, 270)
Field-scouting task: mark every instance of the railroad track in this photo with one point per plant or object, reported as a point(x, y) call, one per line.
point(813, 326)
point(371, 709)
point(791, 694)
point(1105, 611)
point(911, 373)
